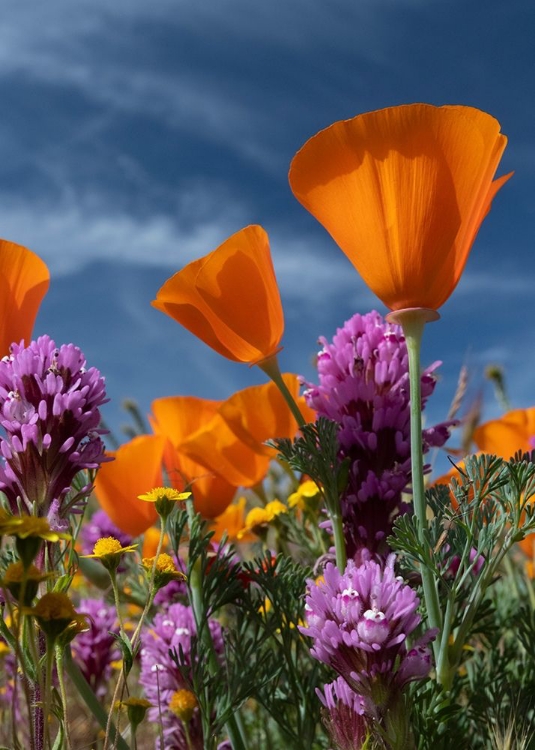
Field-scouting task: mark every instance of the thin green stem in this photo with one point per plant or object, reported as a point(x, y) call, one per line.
point(339, 541)
point(413, 323)
point(200, 615)
point(113, 578)
point(89, 697)
point(48, 689)
point(63, 693)
point(133, 643)
point(271, 367)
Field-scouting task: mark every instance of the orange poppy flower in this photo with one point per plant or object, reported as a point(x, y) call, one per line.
point(216, 447)
point(229, 298)
point(403, 192)
point(177, 417)
point(24, 281)
point(137, 467)
point(230, 522)
point(260, 412)
point(510, 433)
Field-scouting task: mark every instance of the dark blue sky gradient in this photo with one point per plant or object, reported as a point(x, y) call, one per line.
point(137, 137)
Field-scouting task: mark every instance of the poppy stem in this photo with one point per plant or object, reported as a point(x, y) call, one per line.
point(413, 322)
point(271, 367)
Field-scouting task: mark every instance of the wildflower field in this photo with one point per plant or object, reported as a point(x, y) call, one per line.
point(280, 569)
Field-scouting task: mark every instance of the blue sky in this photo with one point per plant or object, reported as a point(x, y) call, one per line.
point(138, 136)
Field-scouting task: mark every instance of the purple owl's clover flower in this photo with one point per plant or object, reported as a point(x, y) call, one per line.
point(364, 387)
point(344, 715)
point(49, 409)
point(359, 622)
point(96, 648)
point(160, 677)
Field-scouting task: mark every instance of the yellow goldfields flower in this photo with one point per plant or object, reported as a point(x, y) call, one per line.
point(136, 708)
point(158, 493)
point(109, 551)
point(165, 499)
point(183, 703)
point(29, 533)
point(165, 570)
point(24, 527)
point(306, 491)
point(18, 577)
point(258, 517)
point(54, 612)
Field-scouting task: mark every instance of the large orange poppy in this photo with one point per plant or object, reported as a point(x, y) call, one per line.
point(136, 469)
point(24, 281)
point(260, 412)
point(403, 191)
point(177, 417)
point(508, 434)
point(229, 298)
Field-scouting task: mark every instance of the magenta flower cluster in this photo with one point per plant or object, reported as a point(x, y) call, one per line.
point(49, 409)
point(364, 387)
point(359, 622)
point(95, 649)
point(344, 715)
point(160, 677)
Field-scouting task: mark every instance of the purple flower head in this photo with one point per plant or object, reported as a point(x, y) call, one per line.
point(364, 387)
point(95, 649)
point(360, 621)
point(344, 715)
point(160, 676)
point(49, 409)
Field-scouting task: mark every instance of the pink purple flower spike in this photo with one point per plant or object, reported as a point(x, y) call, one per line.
point(160, 676)
point(95, 649)
point(360, 621)
point(50, 411)
point(344, 715)
point(364, 387)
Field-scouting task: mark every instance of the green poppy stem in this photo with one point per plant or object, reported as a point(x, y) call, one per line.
point(271, 367)
point(195, 584)
point(413, 322)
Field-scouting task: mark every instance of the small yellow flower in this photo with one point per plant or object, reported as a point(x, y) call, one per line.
point(29, 533)
point(18, 577)
point(165, 570)
point(165, 499)
point(183, 703)
point(260, 517)
point(306, 491)
point(159, 493)
point(136, 708)
point(24, 527)
point(109, 551)
point(54, 612)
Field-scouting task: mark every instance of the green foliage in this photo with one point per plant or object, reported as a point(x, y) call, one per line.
point(315, 453)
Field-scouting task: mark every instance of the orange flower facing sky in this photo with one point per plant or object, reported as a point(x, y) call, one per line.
point(259, 413)
point(510, 433)
point(24, 281)
point(403, 192)
point(176, 418)
point(136, 468)
point(230, 298)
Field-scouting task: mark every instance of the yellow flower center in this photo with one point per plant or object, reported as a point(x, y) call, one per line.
point(164, 493)
point(54, 606)
point(15, 573)
point(182, 704)
point(107, 546)
point(165, 564)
